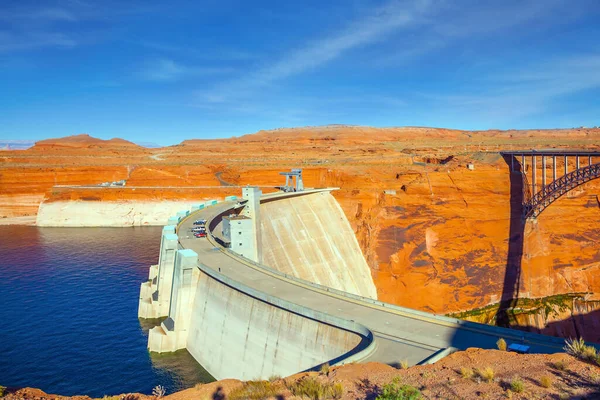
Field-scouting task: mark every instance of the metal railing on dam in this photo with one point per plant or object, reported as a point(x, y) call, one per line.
point(241, 319)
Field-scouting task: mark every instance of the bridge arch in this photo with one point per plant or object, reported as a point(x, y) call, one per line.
point(537, 197)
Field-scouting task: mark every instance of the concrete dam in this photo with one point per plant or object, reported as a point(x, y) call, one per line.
point(279, 285)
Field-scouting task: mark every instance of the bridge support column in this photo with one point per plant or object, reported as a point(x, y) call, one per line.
point(577, 162)
point(543, 173)
point(553, 168)
point(566, 165)
point(533, 167)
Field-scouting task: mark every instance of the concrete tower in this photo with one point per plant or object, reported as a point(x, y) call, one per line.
point(252, 211)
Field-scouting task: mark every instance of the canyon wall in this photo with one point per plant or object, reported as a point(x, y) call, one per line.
point(434, 233)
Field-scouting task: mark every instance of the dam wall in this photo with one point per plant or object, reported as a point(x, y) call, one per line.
point(309, 237)
point(242, 319)
point(109, 213)
point(235, 331)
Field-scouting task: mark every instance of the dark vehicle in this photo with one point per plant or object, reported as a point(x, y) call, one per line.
point(200, 222)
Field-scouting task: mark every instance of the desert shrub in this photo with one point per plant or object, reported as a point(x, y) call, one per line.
point(589, 353)
point(466, 373)
point(397, 391)
point(310, 387)
point(560, 365)
point(2, 389)
point(578, 348)
point(159, 392)
point(517, 385)
point(325, 369)
point(546, 381)
point(274, 378)
point(487, 374)
point(404, 364)
point(255, 390)
point(501, 343)
point(575, 347)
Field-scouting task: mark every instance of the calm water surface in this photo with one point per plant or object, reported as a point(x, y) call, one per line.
point(68, 306)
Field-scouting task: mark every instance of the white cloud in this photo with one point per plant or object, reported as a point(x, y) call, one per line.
point(374, 27)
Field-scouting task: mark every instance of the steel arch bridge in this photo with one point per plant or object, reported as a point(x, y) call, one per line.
point(537, 197)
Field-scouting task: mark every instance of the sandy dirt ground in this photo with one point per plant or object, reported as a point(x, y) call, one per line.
point(471, 374)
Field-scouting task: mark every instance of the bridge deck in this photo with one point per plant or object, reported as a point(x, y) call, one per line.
point(400, 334)
point(551, 152)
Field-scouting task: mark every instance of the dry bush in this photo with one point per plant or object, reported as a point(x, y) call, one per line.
point(546, 381)
point(325, 369)
point(589, 353)
point(404, 364)
point(560, 365)
point(397, 391)
point(256, 390)
point(517, 385)
point(578, 348)
point(575, 347)
point(501, 343)
point(466, 373)
point(159, 391)
point(487, 374)
point(313, 389)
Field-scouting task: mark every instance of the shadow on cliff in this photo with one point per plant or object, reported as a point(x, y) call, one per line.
point(586, 326)
point(512, 274)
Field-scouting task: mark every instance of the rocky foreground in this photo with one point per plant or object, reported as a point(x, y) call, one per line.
point(471, 374)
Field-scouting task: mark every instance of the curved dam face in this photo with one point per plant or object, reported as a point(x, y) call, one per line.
point(237, 331)
point(241, 319)
point(309, 237)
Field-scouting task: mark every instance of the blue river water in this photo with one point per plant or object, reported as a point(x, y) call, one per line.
point(68, 312)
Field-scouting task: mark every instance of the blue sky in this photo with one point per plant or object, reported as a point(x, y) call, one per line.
point(163, 72)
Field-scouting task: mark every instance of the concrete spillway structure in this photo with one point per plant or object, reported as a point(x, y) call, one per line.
point(309, 237)
point(242, 319)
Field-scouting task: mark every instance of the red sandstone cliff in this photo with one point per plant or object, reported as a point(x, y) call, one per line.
point(435, 234)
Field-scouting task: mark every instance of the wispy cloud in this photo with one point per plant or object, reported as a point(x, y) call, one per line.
point(224, 54)
point(525, 90)
point(43, 14)
point(57, 24)
point(374, 27)
point(10, 41)
point(165, 70)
